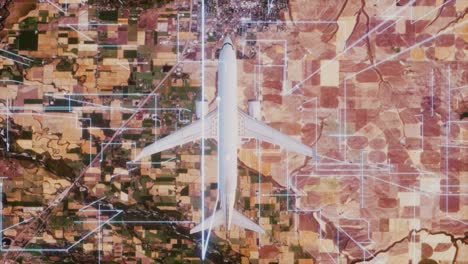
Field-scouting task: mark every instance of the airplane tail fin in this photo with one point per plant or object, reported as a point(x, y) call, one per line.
point(218, 219)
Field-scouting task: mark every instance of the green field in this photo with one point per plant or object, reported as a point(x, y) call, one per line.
point(108, 15)
point(28, 40)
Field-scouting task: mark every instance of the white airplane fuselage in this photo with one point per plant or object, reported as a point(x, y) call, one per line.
point(228, 124)
point(228, 129)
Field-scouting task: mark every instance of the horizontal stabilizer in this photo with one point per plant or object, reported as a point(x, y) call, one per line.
point(213, 221)
point(242, 221)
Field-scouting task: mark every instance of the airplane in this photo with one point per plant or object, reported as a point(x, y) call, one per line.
point(232, 125)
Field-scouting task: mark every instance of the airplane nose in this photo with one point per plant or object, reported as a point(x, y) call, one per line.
point(227, 40)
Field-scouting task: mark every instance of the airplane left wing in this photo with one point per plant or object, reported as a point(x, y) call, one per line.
point(252, 128)
point(184, 135)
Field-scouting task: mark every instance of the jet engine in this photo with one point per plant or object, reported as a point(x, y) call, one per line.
point(254, 109)
point(201, 108)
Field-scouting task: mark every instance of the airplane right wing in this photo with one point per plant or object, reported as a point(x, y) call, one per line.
point(184, 135)
point(252, 128)
point(243, 221)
